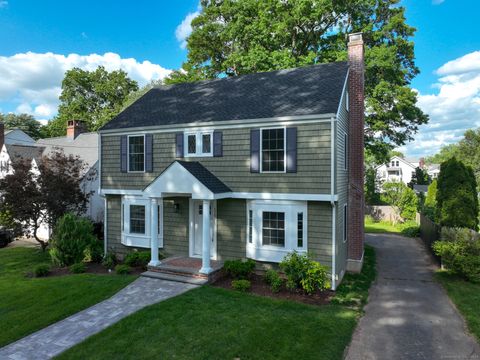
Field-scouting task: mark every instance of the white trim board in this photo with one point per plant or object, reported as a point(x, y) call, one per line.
point(249, 123)
point(238, 195)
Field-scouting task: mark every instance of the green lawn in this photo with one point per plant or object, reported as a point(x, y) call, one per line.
point(214, 323)
point(30, 304)
point(466, 296)
point(382, 227)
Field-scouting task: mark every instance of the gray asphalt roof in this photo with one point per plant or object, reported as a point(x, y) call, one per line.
point(203, 175)
point(24, 152)
point(309, 90)
point(84, 145)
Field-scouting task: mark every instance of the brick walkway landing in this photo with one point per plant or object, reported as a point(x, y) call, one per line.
point(58, 337)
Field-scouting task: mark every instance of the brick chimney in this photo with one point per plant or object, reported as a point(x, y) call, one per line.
point(75, 128)
point(2, 135)
point(356, 198)
point(421, 163)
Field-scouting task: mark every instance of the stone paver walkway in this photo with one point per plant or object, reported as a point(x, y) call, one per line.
point(56, 338)
point(409, 316)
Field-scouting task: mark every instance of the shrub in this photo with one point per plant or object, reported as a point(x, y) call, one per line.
point(6, 237)
point(94, 252)
point(274, 280)
point(238, 269)
point(110, 260)
point(410, 229)
point(78, 268)
point(241, 285)
point(459, 249)
point(303, 272)
point(70, 240)
point(41, 270)
point(138, 258)
point(122, 269)
point(408, 204)
point(457, 198)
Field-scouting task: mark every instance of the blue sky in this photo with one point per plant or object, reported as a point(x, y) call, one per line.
point(39, 40)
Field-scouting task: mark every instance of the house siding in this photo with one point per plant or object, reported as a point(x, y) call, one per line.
point(231, 229)
point(320, 232)
point(341, 184)
point(175, 226)
point(313, 163)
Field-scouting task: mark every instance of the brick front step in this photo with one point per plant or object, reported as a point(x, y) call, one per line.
point(183, 274)
point(177, 278)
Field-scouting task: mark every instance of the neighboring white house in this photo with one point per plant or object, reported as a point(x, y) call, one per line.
point(399, 169)
point(16, 145)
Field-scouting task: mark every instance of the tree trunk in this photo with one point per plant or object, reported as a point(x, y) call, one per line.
point(42, 243)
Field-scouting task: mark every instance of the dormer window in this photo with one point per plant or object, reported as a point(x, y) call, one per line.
point(198, 143)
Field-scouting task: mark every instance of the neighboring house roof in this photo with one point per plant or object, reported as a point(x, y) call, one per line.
point(420, 188)
point(214, 184)
point(17, 137)
point(397, 158)
point(310, 90)
point(24, 152)
point(84, 145)
point(433, 167)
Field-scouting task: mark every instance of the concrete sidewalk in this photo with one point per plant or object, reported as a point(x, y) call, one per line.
point(409, 315)
point(56, 338)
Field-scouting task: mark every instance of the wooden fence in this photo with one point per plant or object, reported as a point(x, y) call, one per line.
point(429, 233)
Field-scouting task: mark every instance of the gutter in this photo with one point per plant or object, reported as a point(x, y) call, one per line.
point(332, 199)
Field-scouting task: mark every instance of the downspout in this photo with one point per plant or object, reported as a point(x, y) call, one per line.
point(105, 226)
point(332, 200)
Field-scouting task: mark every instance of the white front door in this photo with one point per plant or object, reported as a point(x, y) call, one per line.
point(196, 247)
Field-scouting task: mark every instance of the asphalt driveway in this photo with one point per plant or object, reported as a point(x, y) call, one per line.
point(409, 316)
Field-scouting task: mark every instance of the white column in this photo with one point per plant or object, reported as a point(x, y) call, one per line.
point(206, 240)
point(154, 232)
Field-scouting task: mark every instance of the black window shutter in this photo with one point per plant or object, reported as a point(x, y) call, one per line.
point(179, 145)
point(148, 153)
point(255, 151)
point(217, 143)
point(291, 150)
point(123, 153)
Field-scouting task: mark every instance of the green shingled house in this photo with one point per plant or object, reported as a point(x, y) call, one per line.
point(255, 166)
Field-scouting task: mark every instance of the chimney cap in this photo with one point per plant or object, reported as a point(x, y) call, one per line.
point(355, 38)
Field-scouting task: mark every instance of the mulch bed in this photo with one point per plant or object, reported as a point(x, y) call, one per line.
point(260, 287)
point(91, 268)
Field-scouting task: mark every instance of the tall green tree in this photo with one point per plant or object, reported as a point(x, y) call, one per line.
point(420, 177)
point(24, 122)
point(92, 96)
point(430, 205)
point(457, 199)
point(235, 37)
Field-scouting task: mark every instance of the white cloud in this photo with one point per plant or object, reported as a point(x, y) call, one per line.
point(3, 3)
point(31, 82)
point(453, 109)
point(183, 31)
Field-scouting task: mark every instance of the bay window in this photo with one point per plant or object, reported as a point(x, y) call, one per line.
point(275, 228)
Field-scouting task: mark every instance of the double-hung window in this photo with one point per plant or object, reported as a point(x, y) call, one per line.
point(137, 219)
point(273, 150)
point(136, 153)
point(273, 228)
point(198, 143)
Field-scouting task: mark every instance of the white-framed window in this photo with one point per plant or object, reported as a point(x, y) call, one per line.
point(198, 143)
point(345, 222)
point(345, 151)
point(136, 221)
point(275, 228)
point(136, 153)
point(273, 150)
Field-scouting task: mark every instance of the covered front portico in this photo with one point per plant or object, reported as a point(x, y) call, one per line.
point(192, 180)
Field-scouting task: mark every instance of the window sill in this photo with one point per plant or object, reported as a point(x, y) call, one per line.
point(138, 240)
point(270, 253)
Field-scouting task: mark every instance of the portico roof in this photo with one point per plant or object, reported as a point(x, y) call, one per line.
point(187, 177)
